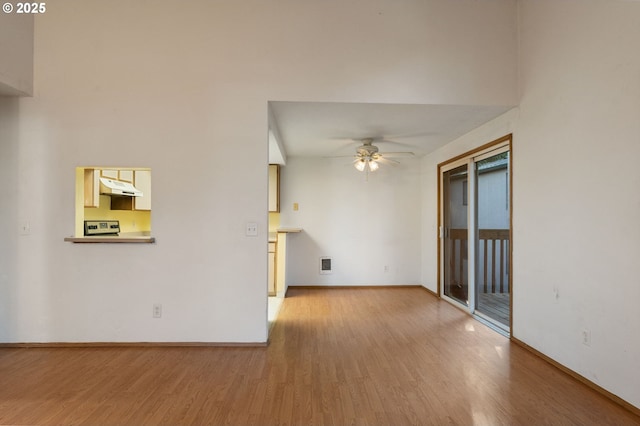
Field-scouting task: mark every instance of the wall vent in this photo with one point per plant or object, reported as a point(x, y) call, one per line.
point(325, 265)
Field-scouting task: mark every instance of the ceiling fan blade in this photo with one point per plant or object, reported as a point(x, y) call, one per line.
point(341, 156)
point(396, 154)
point(416, 134)
point(384, 160)
point(388, 142)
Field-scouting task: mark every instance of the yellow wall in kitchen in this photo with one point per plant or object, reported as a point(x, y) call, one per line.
point(130, 221)
point(79, 228)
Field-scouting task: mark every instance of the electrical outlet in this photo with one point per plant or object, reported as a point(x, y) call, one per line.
point(386, 268)
point(252, 229)
point(157, 310)
point(586, 337)
point(295, 207)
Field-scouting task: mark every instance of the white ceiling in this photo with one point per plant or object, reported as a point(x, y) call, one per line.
point(321, 129)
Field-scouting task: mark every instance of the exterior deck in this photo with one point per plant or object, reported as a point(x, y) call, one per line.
point(495, 305)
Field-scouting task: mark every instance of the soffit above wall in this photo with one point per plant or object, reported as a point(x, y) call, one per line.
point(319, 129)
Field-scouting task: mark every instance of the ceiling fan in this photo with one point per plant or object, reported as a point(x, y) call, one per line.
point(368, 157)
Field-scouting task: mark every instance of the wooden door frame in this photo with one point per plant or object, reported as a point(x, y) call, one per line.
point(509, 139)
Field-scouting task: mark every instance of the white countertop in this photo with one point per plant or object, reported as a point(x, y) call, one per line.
point(113, 239)
point(273, 236)
point(289, 230)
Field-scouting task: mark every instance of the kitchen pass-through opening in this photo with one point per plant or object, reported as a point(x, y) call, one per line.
point(113, 195)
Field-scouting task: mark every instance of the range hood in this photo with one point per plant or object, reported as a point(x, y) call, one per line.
point(116, 187)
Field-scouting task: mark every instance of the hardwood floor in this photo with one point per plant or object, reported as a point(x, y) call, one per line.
point(344, 356)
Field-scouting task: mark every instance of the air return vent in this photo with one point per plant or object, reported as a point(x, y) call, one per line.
point(325, 265)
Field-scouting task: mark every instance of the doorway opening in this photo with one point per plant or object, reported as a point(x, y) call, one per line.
point(475, 245)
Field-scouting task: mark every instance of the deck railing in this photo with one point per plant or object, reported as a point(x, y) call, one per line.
point(493, 259)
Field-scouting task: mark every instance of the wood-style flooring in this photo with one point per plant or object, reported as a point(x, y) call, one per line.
point(336, 357)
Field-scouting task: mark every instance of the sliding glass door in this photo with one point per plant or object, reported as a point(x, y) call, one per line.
point(492, 295)
point(455, 228)
point(475, 232)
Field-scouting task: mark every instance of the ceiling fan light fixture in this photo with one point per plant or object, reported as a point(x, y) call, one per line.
point(366, 163)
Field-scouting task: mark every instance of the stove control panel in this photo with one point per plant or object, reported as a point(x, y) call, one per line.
point(101, 227)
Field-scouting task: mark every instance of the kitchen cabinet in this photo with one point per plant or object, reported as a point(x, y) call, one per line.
point(274, 188)
point(91, 188)
point(142, 181)
point(107, 173)
point(281, 239)
point(272, 269)
point(125, 175)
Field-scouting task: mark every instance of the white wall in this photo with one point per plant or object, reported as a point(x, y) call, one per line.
point(575, 181)
point(16, 54)
point(9, 224)
point(182, 88)
point(363, 225)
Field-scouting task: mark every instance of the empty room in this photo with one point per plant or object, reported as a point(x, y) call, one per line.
point(320, 212)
